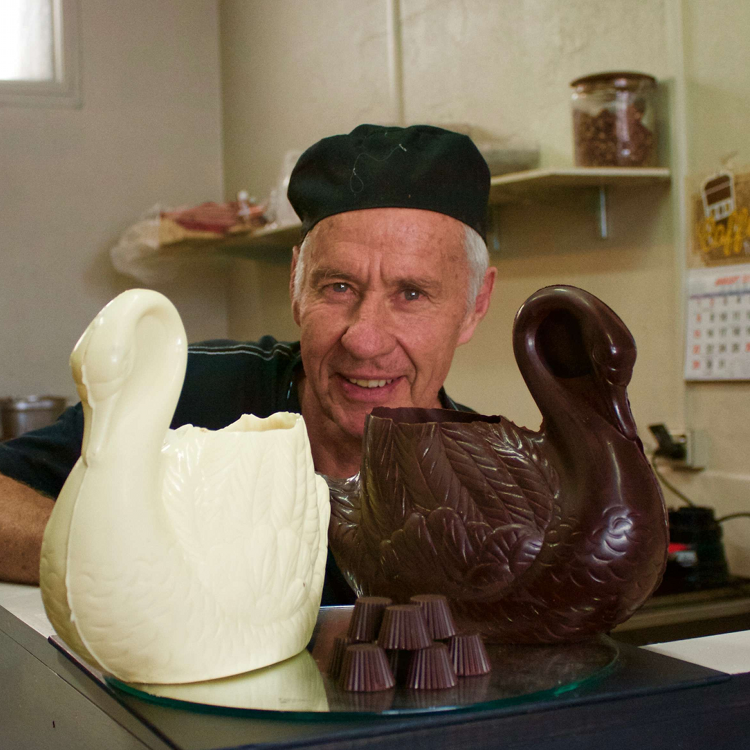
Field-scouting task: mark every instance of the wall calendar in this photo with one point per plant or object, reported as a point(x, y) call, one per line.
point(718, 323)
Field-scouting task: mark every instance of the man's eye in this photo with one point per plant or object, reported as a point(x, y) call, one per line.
point(339, 287)
point(410, 295)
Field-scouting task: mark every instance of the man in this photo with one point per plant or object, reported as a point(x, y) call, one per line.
point(391, 276)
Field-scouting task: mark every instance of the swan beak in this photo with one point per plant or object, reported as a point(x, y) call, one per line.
point(98, 421)
point(621, 414)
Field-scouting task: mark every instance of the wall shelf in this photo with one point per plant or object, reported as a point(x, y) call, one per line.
point(281, 238)
point(270, 244)
point(511, 188)
point(274, 244)
point(527, 186)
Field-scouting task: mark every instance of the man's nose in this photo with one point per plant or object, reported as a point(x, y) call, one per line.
point(370, 330)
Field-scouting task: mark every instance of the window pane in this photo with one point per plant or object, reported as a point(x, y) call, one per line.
point(26, 41)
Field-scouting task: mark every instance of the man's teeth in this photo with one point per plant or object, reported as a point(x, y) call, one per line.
point(370, 383)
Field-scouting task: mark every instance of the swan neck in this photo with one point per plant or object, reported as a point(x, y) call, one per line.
point(545, 389)
point(133, 367)
point(149, 396)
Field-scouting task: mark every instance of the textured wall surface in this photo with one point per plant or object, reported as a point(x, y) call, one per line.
point(717, 78)
point(148, 131)
point(293, 71)
point(505, 66)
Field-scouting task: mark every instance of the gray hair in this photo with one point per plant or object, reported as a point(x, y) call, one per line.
point(477, 256)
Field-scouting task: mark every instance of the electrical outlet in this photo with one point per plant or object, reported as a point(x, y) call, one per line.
point(696, 445)
point(688, 450)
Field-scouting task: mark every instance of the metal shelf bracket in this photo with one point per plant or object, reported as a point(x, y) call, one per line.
point(603, 228)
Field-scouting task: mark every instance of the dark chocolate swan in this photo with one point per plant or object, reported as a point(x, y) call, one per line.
point(535, 537)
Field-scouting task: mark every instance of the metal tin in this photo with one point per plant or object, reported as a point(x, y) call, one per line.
point(26, 413)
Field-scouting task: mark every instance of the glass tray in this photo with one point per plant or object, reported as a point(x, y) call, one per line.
point(299, 687)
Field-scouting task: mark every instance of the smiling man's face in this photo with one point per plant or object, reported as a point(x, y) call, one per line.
point(382, 307)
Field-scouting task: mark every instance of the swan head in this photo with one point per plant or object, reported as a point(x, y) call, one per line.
point(124, 349)
point(613, 356)
point(566, 335)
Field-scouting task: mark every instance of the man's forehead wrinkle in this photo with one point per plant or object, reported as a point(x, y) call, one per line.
point(399, 247)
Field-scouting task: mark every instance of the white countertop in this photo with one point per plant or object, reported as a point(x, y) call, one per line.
point(729, 652)
point(25, 602)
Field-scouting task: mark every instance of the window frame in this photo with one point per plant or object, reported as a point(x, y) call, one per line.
point(64, 90)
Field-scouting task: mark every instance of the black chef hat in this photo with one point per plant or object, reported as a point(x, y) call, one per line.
point(388, 167)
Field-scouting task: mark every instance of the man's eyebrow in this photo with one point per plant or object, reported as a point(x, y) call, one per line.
point(425, 283)
point(323, 273)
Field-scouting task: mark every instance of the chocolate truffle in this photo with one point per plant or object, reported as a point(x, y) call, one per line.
point(367, 617)
point(403, 628)
point(437, 615)
point(365, 669)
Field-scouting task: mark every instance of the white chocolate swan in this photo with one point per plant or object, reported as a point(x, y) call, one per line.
point(185, 555)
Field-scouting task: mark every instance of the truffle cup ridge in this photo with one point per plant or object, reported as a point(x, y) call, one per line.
point(431, 669)
point(367, 617)
point(437, 615)
point(469, 655)
point(365, 669)
point(403, 628)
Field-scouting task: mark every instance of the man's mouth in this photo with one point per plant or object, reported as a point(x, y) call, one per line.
point(370, 383)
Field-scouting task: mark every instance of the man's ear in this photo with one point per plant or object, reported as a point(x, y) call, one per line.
point(292, 274)
point(481, 305)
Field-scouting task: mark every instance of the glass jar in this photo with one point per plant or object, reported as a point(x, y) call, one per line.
point(614, 120)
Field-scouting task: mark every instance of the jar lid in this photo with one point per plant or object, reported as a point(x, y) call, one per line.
point(618, 79)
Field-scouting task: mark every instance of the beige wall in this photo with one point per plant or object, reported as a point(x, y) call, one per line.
point(148, 131)
point(504, 67)
point(296, 70)
point(717, 68)
point(292, 72)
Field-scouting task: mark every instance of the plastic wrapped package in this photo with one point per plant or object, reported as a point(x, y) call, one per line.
point(155, 248)
point(280, 212)
point(137, 254)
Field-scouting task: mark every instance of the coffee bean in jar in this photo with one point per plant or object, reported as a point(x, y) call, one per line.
point(614, 120)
